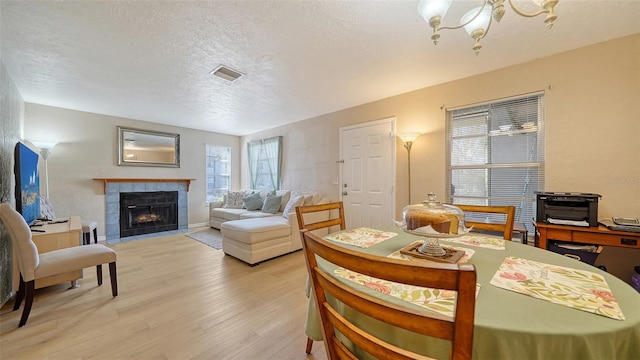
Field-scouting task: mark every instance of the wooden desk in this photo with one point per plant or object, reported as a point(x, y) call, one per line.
point(56, 236)
point(600, 235)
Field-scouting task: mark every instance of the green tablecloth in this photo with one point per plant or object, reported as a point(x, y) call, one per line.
point(510, 325)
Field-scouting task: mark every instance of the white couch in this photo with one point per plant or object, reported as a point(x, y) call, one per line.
point(254, 236)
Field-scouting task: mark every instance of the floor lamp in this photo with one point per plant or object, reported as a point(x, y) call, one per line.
point(45, 151)
point(408, 139)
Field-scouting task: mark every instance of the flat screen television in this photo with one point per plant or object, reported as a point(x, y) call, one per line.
point(27, 183)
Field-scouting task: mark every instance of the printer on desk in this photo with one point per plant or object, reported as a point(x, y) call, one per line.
point(577, 209)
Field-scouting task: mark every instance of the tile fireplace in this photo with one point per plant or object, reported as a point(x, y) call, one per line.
point(155, 215)
point(148, 212)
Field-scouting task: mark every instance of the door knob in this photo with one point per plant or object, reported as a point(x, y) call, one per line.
point(344, 193)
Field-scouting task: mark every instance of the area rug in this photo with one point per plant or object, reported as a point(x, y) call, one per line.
point(211, 237)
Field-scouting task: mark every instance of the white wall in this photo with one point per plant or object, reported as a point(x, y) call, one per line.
point(87, 149)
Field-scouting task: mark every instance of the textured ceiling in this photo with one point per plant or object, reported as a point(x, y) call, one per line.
point(150, 60)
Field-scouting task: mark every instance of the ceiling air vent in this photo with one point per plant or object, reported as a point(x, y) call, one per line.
point(226, 73)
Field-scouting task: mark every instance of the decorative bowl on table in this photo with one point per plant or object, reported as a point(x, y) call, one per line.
point(433, 220)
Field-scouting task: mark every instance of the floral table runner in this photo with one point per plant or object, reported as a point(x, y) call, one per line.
point(361, 237)
point(578, 289)
point(489, 242)
point(468, 253)
point(440, 301)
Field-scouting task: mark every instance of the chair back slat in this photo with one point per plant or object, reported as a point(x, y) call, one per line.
point(335, 209)
point(505, 228)
point(455, 277)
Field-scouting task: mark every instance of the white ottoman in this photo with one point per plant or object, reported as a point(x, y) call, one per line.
point(258, 239)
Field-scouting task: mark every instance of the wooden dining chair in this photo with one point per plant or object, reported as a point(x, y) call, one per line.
point(456, 277)
point(334, 209)
point(307, 221)
point(506, 227)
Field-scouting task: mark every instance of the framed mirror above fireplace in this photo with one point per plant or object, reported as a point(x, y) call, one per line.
point(137, 147)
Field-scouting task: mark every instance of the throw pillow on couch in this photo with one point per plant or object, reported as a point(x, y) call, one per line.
point(286, 195)
point(272, 204)
point(252, 202)
point(233, 200)
point(292, 204)
point(240, 199)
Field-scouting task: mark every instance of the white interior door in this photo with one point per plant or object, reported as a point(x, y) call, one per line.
point(367, 173)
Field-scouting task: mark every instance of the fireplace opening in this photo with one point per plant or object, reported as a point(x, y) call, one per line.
point(148, 212)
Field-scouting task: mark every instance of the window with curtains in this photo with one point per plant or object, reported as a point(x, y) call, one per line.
point(496, 154)
point(265, 157)
point(218, 172)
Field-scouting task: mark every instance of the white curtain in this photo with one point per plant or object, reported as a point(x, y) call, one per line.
point(268, 153)
point(253, 150)
point(272, 147)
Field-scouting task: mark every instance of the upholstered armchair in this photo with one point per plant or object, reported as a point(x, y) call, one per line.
point(33, 266)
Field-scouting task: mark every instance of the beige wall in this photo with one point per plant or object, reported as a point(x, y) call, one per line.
point(592, 127)
point(87, 149)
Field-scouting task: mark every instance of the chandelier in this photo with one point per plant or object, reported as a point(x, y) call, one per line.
point(477, 21)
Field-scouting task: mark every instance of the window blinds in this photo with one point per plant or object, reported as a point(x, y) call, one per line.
point(496, 154)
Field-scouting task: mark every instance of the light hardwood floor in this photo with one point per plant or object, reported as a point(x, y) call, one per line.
point(178, 299)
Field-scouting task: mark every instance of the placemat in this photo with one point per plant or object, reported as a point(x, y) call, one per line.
point(489, 242)
point(440, 301)
point(578, 289)
point(361, 237)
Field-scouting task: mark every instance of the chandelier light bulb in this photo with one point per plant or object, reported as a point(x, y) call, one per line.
point(481, 21)
point(430, 8)
point(477, 21)
point(432, 11)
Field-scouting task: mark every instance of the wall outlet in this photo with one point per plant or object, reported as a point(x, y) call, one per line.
point(334, 180)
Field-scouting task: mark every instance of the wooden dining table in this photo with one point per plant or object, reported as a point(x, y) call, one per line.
point(508, 324)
